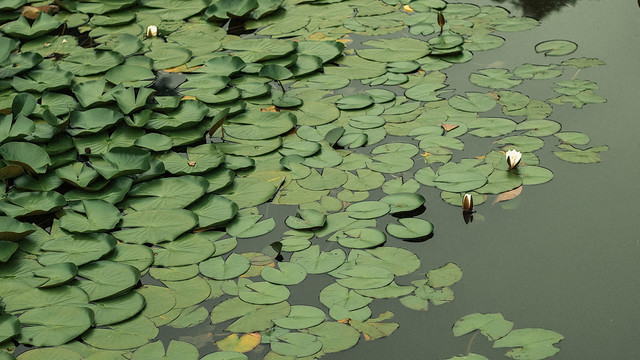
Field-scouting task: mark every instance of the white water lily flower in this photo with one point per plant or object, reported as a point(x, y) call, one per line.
point(467, 202)
point(513, 158)
point(152, 31)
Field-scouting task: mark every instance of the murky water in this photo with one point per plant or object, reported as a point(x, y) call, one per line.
point(568, 258)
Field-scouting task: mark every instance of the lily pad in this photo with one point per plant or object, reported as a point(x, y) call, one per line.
point(54, 325)
point(221, 269)
point(556, 47)
point(403, 202)
point(30, 157)
point(410, 228)
point(493, 326)
point(389, 50)
point(530, 343)
point(99, 215)
point(155, 226)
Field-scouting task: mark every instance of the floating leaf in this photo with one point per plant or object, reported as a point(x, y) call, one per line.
point(367, 209)
point(397, 260)
point(9, 326)
point(128, 334)
point(335, 336)
point(493, 326)
point(495, 78)
point(389, 50)
point(474, 102)
point(403, 202)
point(21, 28)
point(241, 344)
point(221, 269)
point(32, 158)
point(316, 262)
point(583, 62)
point(54, 325)
point(556, 47)
point(354, 102)
point(375, 328)
point(155, 226)
point(537, 72)
point(364, 277)
point(530, 343)
point(301, 316)
point(266, 126)
point(508, 195)
point(287, 274)
point(263, 293)
point(99, 215)
point(296, 344)
point(31, 203)
point(307, 219)
point(410, 229)
point(13, 229)
point(175, 350)
point(447, 275)
point(361, 238)
point(102, 279)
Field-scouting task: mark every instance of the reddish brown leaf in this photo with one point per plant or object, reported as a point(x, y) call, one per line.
point(32, 12)
point(448, 127)
point(508, 195)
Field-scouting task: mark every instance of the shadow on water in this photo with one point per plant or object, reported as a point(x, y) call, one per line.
point(538, 9)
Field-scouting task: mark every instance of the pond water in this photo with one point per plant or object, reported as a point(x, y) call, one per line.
point(567, 258)
point(561, 256)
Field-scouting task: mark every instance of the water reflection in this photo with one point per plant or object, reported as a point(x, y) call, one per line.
point(538, 9)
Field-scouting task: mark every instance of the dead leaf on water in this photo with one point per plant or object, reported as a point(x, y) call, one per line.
point(242, 344)
point(181, 69)
point(448, 127)
point(508, 195)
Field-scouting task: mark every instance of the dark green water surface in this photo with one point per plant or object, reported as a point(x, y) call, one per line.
point(568, 258)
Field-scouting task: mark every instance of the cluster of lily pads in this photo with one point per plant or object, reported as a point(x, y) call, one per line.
point(108, 184)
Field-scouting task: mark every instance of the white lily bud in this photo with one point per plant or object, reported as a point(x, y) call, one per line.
point(513, 158)
point(152, 31)
point(467, 202)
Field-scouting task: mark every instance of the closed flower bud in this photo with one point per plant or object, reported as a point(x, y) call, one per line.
point(467, 202)
point(152, 31)
point(513, 158)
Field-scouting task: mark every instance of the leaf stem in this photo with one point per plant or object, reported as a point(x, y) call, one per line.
point(470, 342)
point(576, 74)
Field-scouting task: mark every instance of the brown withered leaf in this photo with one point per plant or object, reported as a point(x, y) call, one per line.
point(345, 39)
point(318, 36)
point(448, 127)
point(507, 195)
point(182, 68)
point(32, 12)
